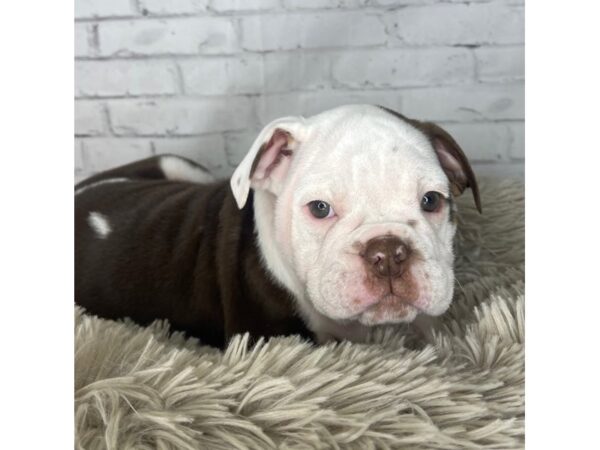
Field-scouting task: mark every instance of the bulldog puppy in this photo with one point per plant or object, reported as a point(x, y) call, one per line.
point(329, 225)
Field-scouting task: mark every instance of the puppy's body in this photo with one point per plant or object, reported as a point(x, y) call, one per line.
point(147, 247)
point(330, 224)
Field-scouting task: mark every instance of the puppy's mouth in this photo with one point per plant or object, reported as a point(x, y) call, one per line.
point(389, 308)
point(393, 301)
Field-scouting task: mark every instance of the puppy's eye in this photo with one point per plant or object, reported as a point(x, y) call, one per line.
point(320, 209)
point(431, 201)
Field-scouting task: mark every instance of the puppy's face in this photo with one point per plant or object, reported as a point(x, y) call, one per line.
point(362, 210)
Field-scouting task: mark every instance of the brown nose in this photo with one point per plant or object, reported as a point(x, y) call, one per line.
point(385, 256)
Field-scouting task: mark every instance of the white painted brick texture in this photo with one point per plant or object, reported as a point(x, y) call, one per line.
point(460, 24)
point(89, 118)
point(223, 75)
point(83, 36)
point(500, 64)
point(183, 36)
point(389, 68)
point(108, 78)
point(328, 29)
point(165, 7)
point(104, 8)
point(199, 78)
point(179, 117)
point(473, 102)
point(243, 5)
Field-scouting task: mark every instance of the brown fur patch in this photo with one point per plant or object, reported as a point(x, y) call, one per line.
point(179, 251)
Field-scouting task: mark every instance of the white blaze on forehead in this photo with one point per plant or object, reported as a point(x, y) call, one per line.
point(99, 223)
point(369, 125)
point(179, 169)
point(364, 149)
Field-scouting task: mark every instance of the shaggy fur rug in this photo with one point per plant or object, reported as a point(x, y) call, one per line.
point(459, 387)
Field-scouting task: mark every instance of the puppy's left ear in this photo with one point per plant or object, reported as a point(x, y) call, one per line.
point(266, 164)
point(453, 161)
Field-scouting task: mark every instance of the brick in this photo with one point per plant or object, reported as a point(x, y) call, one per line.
point(256, 74)
point(103, 8)
point(465, 103)
point(459, 24)
point(296, 71)
point(237, 144)
point(324, 4)
point(481, 141)
point(517, 142)
point(105, 153)
point(209, 151)
point(183, 36)
point(243, 5)
point(82, 40)
point(157, 7)
point(179, 116)
point(403, 67)
point(270, 107)
point(333, 29)
point(122, 77)
point(500, 64)
point(89, 118)
point(228, 75)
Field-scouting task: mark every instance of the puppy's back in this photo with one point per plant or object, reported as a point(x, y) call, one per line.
point(138, 237)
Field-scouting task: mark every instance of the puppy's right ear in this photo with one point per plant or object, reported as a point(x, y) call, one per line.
point(452, 159)
point(267, 162)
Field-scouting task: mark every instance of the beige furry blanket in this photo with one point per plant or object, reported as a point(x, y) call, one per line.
point(462, 387)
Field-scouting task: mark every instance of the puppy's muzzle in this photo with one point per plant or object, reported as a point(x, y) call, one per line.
point(386, 256)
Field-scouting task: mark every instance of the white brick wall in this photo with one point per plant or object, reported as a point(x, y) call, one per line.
point(163, 7)
point(285, 31)
point(200, 77)
point(156, 37)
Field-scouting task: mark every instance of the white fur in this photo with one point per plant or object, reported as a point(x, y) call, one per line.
point(100, 224)
point(99, 183)
point(373, 168)
point(179, 169)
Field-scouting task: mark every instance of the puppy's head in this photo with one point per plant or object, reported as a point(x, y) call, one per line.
point(360, 201)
